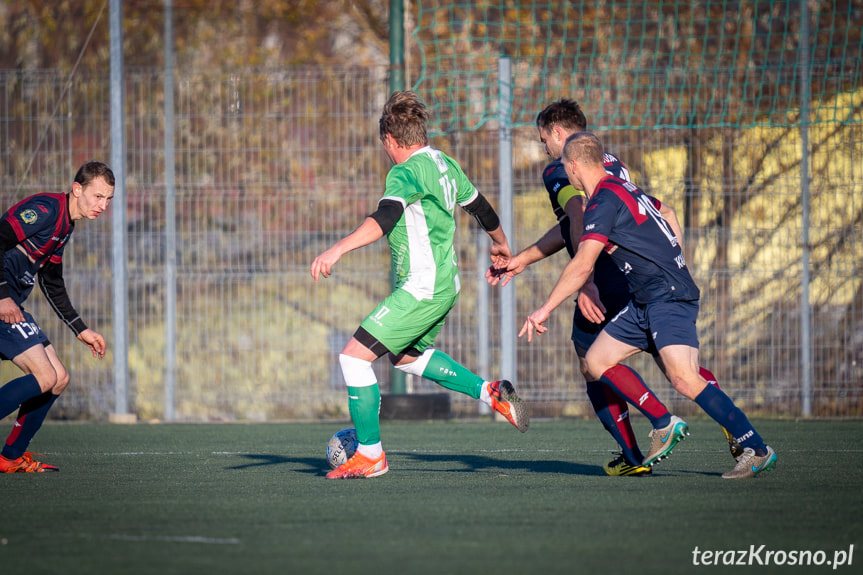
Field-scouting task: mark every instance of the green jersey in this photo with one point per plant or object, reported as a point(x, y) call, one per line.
point(429, 185)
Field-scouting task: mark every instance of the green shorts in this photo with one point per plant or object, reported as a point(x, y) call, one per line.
point(401, 322)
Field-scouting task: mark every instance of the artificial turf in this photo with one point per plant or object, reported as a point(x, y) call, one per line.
point(460, 497)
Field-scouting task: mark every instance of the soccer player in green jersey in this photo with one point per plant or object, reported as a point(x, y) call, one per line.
point(417, 214)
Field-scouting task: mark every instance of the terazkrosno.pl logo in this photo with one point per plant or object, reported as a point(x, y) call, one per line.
point(761, 555)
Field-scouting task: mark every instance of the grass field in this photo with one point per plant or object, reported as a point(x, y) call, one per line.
point(460, 497)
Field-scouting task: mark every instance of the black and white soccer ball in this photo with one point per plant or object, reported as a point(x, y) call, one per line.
point(342, 445)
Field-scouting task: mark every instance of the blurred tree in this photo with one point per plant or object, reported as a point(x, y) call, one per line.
point(53, 33)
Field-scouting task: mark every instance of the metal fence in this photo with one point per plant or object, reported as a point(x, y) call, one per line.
point(272, 166)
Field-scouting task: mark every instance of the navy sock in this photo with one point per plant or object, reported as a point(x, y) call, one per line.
point(17, 392)
point(30, 418)
point(719, 406)
point(596, 392)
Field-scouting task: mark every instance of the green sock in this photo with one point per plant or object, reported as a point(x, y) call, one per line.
point(364, 405)
point(447, 372)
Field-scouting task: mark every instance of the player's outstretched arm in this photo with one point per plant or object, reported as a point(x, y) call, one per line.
point(94, 341)
point(368, 232)
point(574, 276)
point(487, 218)
point(548, 244)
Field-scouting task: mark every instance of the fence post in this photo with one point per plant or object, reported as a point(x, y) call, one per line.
point(118, 235)
point(805, 312)
point(170, 223)
point(398, 383)
point(507, 300)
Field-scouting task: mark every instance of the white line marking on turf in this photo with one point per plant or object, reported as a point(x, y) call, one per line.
point(150, 453)
point(177, 539)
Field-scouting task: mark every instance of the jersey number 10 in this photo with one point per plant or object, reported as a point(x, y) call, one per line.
point(449, 192)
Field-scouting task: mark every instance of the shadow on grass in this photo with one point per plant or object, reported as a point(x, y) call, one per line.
point(470, 463)
point(315, 465)
point(447, 463)
point(704, 473)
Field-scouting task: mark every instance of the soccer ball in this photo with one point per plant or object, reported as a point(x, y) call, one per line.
point(342, 446)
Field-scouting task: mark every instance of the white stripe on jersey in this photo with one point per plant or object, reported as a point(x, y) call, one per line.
point(421, 278)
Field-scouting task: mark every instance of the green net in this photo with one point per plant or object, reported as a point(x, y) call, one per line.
point(636, 64)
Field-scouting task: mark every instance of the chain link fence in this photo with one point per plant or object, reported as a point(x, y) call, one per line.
point(274, 165)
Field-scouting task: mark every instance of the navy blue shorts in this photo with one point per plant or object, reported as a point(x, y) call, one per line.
point(584, 331)
point(656, 325)
point(16, 338)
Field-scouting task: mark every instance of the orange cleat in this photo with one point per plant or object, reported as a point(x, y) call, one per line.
point(360, 466)
point(24, 464)
point(506, 402)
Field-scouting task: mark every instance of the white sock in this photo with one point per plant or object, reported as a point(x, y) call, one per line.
point(484, 395)
point(372, 451)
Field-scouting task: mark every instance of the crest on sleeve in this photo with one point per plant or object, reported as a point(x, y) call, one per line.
point(28, 216)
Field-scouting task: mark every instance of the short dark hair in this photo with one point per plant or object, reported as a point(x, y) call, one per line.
point(564, 113)
point(583, 147)
point(404, 118)
point(89, 171)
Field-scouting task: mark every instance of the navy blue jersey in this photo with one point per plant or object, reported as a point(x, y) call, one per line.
point(640, 242)
point(607, 276)
point(42, 226)
point(560, 191)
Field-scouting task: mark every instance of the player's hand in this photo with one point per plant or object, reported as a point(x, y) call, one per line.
point(500, 255)
point(500, 261)
point(94, 341)
point(589, 304)
point(535, 321)
point(323, 264)
point(502, 275)
point(495, 276)
point(10, 312)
